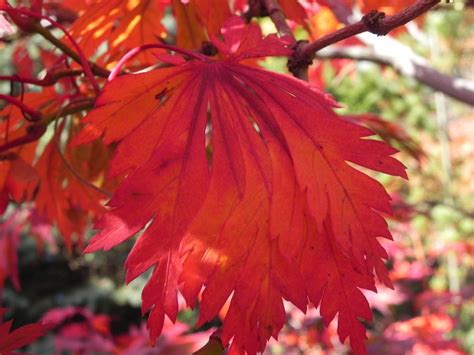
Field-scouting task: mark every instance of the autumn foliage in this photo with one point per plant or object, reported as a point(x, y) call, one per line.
point(243, 186)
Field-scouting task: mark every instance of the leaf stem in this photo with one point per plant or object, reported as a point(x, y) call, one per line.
point(36, 130)
point(33, 115)
point(16, 78)
point(50, 79)
point(132, 53)
point(69, 166)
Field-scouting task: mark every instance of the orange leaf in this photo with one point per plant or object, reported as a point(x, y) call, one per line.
point(122, 24)
point(190, 32)
point(61, 196)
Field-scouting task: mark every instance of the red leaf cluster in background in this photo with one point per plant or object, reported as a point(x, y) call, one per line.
point(10, 231)
point(420, 335)
point(78, 330)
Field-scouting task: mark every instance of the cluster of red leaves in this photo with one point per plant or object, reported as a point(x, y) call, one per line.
point(78, 330)
point(54, 180)
point(50, 181)
point(427, 333)
point(196, 21)
point(421, 335)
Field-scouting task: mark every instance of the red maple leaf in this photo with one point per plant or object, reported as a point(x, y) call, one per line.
point(244, 184)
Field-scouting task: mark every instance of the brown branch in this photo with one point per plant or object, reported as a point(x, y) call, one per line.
point(457, 88)
point(255, 9)
point(278, 17)
point(405, 61)
point(32, 81)
point(374, 22)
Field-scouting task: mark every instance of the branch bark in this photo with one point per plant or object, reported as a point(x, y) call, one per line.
point(406, 64)
point(278, 17)
point(374, 22)
point(391, 52)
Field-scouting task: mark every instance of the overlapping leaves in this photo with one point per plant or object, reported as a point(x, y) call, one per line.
point(126, 24)
point(243, 184)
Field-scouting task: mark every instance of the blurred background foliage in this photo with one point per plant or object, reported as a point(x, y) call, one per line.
point(431, 262)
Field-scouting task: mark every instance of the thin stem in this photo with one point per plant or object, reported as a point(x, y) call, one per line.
point(33, 114)
point(36, 130)
point(74, 107)
point(132, 53)
point(16, 78)
point(7, 129)
point(331, 38)
point(50, 79)
point(71, 169)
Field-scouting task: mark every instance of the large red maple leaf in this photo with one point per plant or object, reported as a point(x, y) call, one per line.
point(243, 182)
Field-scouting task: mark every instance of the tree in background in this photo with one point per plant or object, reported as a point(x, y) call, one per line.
point(204, 130)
